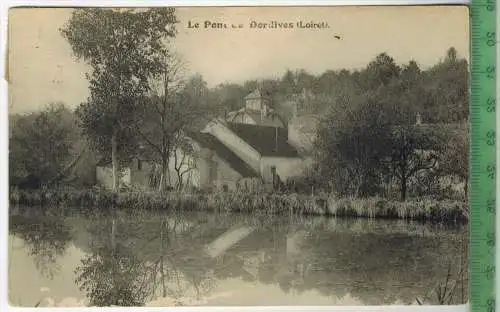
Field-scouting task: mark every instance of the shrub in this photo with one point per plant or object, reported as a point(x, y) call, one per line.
point(99, 200)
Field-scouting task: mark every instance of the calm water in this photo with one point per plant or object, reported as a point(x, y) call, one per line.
point(282, 261)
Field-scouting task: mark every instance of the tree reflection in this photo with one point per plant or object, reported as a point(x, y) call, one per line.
point(111, 273)
point(131, 262)
point(45, 238)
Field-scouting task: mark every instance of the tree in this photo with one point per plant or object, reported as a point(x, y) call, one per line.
point(183, 161)
point(196, 88)
point(447, 88)
point(288, 83)
point(414, 148)
point(125, 48)
point(40, 144)
point(455, 157)
point(111, 273)
point(353, 139)
point(379, 72)
point(170, 109)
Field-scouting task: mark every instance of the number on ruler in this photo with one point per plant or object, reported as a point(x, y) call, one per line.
point(491, 171)
point(490, 272)
point(490, 39)
point(490, 5)
point(490, 72)
point(490, 304)
point(491, 103)
point(490, 239)
point(490, 138)
point(490, 205)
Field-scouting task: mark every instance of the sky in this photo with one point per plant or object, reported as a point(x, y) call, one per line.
point(42, 68)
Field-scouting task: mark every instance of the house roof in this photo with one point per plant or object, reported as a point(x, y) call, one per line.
point(146, 153)
point(271, 120)
point(256, 94)
point(103, 162)
point(207, 140)
point(268, 141)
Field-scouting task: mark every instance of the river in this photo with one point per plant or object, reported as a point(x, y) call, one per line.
point(195, 259)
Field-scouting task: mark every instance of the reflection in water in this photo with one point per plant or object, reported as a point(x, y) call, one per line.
point(45, 240)
point(110, 274)
point(307, 261)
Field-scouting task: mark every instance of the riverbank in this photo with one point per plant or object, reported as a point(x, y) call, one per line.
point(96, 200)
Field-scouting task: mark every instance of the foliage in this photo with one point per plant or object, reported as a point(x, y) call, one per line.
point(173, 106)
point(40, 144)
point(455, 156)
point(100, 201)
point(379, 132)
point(110, 277)
point(125, 48)
point(447, 88)
point(45, 241)
point(347, 146)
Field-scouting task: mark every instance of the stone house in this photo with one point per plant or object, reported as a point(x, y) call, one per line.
point(247, 150)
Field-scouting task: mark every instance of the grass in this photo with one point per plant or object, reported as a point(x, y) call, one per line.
point(447, 292)
point(97, 200)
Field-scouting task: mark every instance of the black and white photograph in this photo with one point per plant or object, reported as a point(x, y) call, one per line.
point(238, 156)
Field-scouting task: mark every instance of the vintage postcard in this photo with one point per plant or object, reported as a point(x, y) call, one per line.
point(238, 156)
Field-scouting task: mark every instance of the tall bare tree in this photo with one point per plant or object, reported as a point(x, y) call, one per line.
point(173, 106)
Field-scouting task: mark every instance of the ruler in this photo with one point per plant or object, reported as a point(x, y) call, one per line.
point(482, 197)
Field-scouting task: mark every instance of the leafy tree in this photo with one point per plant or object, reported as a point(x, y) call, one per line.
point(379, 72)
point(353, 139)
point(386, 107)
point(228, 97)
point(288, 83)
point(40, 144)
point(125, 48)
point(455, 154)
point(305, 80)
point(196, 88)
point(447, 87)
point(414, 148)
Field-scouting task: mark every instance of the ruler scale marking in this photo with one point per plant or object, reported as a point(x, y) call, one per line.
point(484, 42)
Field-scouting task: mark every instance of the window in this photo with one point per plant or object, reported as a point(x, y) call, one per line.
point(225, 188)
point(139, 165)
